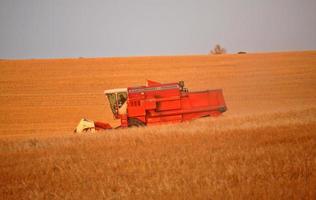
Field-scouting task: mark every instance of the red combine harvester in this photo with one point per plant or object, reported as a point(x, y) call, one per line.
point(155, 104)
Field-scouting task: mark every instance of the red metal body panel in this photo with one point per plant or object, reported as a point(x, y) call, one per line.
point(168, 103)
point(102, 126)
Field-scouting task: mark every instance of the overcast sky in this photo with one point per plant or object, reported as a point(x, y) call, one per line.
point(104, 28)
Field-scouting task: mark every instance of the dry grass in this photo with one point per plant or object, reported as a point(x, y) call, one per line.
point(201, 159)
point(264, 147)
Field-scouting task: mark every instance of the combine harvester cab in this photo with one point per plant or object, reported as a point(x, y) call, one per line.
point(158, 103)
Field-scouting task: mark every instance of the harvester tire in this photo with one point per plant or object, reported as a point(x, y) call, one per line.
point(132, 122)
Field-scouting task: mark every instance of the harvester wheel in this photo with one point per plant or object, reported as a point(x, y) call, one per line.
point(132, 122)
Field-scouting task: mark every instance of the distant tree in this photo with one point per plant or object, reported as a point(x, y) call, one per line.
point(218, 50)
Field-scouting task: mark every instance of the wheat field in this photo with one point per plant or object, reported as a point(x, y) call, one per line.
point(263, 147)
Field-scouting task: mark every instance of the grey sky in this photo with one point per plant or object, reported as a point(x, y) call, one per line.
point(102, 28)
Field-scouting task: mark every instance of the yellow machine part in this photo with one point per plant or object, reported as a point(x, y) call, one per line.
point(122, 109)
point(85, 125)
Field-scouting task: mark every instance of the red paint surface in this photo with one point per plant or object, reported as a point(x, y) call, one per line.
point(167, 103)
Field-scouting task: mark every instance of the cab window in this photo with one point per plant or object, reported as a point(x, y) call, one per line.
point(121, 98)
point(112, 100)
